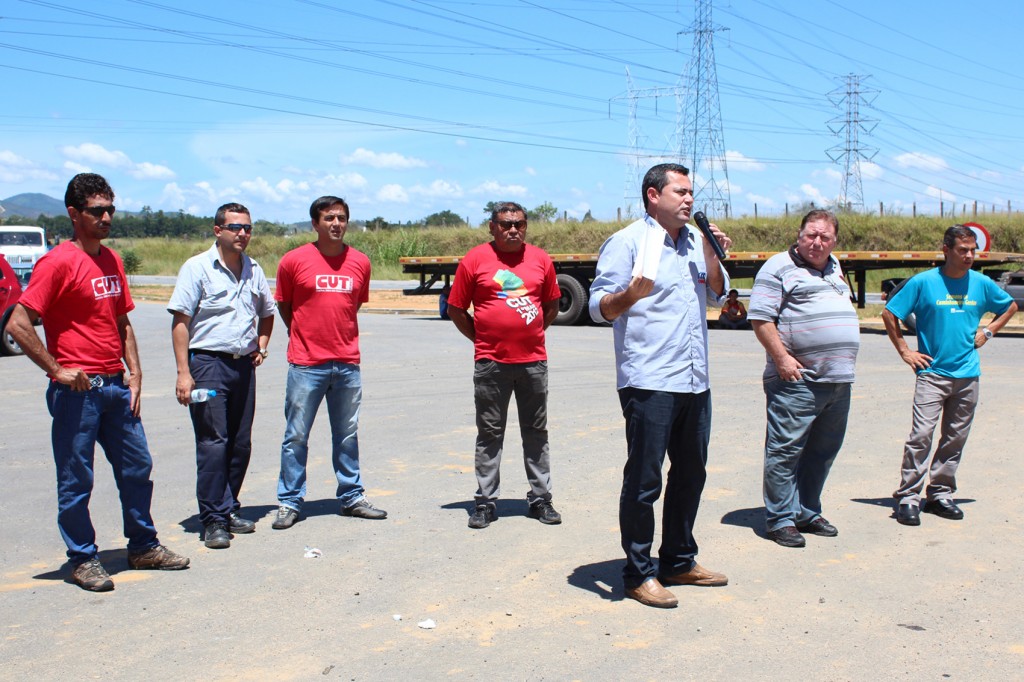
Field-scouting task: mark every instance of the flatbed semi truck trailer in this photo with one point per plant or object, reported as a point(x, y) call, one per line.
point(576, 271)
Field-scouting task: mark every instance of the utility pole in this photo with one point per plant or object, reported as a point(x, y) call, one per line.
point(703, 145)
point(849, 153)
point(636, 165)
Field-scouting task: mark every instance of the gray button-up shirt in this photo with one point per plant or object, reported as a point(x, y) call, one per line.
point(224, 310)
point(661, 342)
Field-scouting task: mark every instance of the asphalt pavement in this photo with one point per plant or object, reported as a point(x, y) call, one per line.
point(518, 600)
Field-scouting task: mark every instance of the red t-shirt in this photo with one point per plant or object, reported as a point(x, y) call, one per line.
point(325, 294)
point(80, 298)
point(506, 291)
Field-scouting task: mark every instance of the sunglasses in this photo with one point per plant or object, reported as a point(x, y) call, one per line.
point(98, 211)
point(512, 224)
point(235, 227)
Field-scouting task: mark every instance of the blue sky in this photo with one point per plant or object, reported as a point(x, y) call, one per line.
point(408, 108)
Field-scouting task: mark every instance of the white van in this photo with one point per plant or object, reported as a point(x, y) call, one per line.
point(22, 246)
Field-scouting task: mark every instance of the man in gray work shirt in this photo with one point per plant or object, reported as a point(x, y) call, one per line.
point(223, 316)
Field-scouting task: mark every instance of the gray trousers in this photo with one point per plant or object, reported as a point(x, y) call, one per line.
point(954, 400)
point(494, 383)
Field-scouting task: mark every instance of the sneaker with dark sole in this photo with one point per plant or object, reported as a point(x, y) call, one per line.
point(157, 558)
point(362, 509)
point(482, 516)
point(787, 536)
point(217, 536)
point(239, 525)
point(91, 576)
point(285, 518)
point(544, 511)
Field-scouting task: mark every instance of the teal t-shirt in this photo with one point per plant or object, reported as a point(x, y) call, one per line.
point(948, 313)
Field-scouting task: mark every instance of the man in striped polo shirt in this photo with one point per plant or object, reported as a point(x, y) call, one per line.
point(802, 314)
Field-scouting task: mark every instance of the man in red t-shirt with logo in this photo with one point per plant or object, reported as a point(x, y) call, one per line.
point(320, 287)
point(512, 288)
point(80, 290)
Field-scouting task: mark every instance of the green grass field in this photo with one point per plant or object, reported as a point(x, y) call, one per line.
point(857, 232)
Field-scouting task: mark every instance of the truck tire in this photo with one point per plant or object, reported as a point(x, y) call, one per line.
point(573, 301)
point(911, 322)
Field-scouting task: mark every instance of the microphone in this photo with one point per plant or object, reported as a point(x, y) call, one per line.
point(705, 228)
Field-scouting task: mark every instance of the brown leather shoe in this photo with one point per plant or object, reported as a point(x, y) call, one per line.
point(698, 575)
point(651, 593)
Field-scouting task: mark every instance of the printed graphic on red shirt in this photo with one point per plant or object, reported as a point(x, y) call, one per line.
point(341, 284)
point(106, 287)
point(516, 296)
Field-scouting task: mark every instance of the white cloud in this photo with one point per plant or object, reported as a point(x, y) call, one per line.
point(390, 160)
point(438, 189)
point(531, 171)
point(151, 171)
point(814, 194)
point(938, 193)
point(395, 194)
point(461, 143)
point(261, 189)
point(339, 184)
point(495, 188)
point(827, 173)
point(15, 168)
point(89, 152)
point(761, 201)
point(76, 167)
point(870, 171)
point(737, 161)
point(921, 161)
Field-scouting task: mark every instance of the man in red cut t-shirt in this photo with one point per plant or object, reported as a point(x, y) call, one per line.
point(80, 290)
point(320, 287)
point(512, 288)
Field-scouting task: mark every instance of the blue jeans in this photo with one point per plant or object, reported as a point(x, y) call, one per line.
point(806, 427)
point(80, 420)
point(341, 384)
point(658, 422)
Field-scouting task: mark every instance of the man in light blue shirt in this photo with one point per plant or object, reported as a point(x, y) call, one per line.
point(653, 281)
point(949, 303)
point(223, 316)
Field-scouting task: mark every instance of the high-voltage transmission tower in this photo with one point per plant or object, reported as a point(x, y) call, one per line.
point(702, 146)
point(851, 95)
point(639, 159)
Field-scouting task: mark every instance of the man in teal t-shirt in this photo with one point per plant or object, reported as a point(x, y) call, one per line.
point(949, 303)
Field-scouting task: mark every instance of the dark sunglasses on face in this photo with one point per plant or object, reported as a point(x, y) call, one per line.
point(235, 227)
point(510, 224)
point(98, 211)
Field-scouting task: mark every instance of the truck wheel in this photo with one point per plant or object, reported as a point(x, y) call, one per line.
point(911, 322)
point(573, 301)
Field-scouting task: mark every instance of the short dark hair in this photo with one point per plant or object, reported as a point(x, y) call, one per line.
point(323, 203)
point(219, 218)
point(733, 291)
point(820, 214)
point(955, 232)
point(506, 207)
point(657, 177)
point(83, 186)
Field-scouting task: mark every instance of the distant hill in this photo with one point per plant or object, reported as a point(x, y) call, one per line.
point(30, 205)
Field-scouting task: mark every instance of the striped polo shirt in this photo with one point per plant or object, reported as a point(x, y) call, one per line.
point(814, 315)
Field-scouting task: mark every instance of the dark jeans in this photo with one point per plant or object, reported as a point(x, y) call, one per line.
point(658, 422)
point(80, 420)
point(223, 428)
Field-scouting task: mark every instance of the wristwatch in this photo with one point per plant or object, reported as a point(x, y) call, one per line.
point(987, 332)
point(264, 352)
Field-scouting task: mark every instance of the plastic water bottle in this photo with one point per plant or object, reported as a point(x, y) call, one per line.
point(201, 395)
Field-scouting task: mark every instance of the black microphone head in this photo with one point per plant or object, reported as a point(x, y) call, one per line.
point(700, 219)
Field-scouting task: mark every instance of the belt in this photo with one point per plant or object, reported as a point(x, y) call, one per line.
point(101, 380)
point(215, 353)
